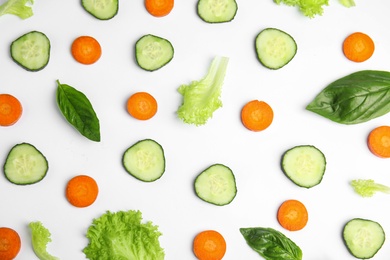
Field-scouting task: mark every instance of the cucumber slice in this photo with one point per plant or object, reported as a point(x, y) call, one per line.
point(145, 160)
point(101, 9)
point(153, 52)
point(31, 51)
point(275, 48)
point(25, 165)
point(304, 165)
point(217, 11)
point(363, 237)
point(216, 185)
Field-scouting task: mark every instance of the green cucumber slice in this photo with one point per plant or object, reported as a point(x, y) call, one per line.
point(101, 9)
point(217, 11)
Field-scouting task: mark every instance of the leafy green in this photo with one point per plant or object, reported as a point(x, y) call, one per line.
point(309, 8)
point(77, 109)
point(202, 98)
point(40, 237)
point(18, 8)
point(347, 3)
point(271, 244)
point(367, 188)
point(121, 235)
point(355, 98)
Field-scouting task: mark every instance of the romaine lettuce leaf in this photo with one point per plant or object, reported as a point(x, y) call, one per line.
point(17, 7)
point(40, 237)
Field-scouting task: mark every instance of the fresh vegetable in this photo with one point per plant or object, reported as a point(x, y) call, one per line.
point(355, 98)
point(292, 215)
point(309, 8)
point(153, 52)
point(101, 9)
point(122, 235)
point(78, 111)
point(31, 51)
point(142, 106)
point(10, 243)
point(25, 164)
point(367, 188)
point(257, 115)
point(271, 244)
point(358, 47)
point(145, 160)
point(347, 3)
point(209, 245)
point(40, 237)
point(86, 50)
point(216, 185)
point(82, 191)
point(20, 8)
point(10, 110)
point(363, 237)
point(275, 48)
point(304, 165)
point(202, 98)
point(217, 11)
point(378, 141)
point(159, 8)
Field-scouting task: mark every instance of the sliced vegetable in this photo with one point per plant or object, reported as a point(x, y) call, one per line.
point(153, 52)
point(31, 51)
point(40, 237)
point(82, 191)
point(304, 165)
point(217, 11)
point(355, 98)
point(257, 115)
point(309, 8)
point(142, 106)
point(86, 50)
point(367, 188)
point(363, 237)
point(216, 185)
point(10, 243)
point(209, 245)
point(25, 164)
point(159, 8)
point(275, 48)
point(292, 215)
point(271, 244)
point(20, 8)
point(10, 110)
point(122, 235)
point(101, 9)
point(358, 47)
point(379, 141)
point(78, 111)
point(145, 160)
point(202, 98)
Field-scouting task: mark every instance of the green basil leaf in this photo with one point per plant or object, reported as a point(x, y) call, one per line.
point(78, 111)
point(271, 244)
point(355, 98)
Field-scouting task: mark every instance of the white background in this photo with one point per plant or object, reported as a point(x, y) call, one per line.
point(170, 202)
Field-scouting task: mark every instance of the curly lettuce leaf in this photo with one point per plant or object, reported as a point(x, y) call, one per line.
point(309, 8)
point(202, 98)
point(367, 188)
point(21, 8)
point(40, 237)
point(121, 235)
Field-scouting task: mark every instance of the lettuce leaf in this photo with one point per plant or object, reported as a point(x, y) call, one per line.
point(201, 98)
point(40, 237)
point(309, 8)
point(121, 235)
point(347, 3)
point(17, 7)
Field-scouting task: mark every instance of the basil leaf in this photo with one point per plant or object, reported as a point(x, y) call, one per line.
point(78, 111)
point(271, 244)
point(355, 98)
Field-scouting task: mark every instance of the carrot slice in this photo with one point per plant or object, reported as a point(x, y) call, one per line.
point(358, 47)
point(86, 50)
point(292, 215)
point(379, 141)
point(209, 245)
point(82, 191)
point(142, 105)
point(10, 110)
point(159, 8)
point(257, 115)
point(10, 243)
